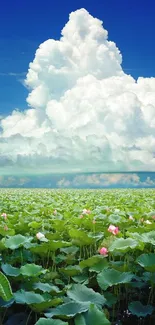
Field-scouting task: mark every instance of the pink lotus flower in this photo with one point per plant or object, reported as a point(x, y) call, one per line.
point(4, 215)
point(81, 216)
point(131, 218)
point(153, 217)
point(114, 230)
point(55, 212)
point(39, 235)
point(85, 211)
point(103, 251)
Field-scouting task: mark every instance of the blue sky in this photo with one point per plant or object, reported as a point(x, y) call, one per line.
point(87, 103)
point(26, 24)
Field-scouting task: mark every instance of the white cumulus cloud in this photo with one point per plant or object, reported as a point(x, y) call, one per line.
point(84, 113)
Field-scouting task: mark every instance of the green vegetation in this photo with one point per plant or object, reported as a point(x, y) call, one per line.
point(77, 257)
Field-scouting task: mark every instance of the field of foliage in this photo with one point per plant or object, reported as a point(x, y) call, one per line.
point(77, 257)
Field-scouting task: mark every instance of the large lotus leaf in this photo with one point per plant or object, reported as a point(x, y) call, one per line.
point(10, 270)
point(109, 277)
point(50, 246)
point(46, 287)
point(34, 225)
point(53, 236)
point(93, 316)
point(96, 236)
point(149, 276)
point(69, 309)
point(98, 267)
point(31, 270)
point(81, 237)
point(42, 306)
point(81, 278)
point(147, 261)
point(138, 309)
point(80, 320)
point(96, 316)
point(5, 288)
point(41, 250)
point(91, 261)
point(115, 219)
point(44, 321)
point(121, 266)
point(149, 237)
point(72, 250)
point(123, 245)
point(71, 270)
point(58, 225)
point(56, 244)
point(60, 258)
point(134, 235)
point(16, 241)
point(28, 297)
point(81, 293)
point(110, 299)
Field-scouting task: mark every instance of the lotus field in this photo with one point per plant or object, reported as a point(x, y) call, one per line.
point(77, 257)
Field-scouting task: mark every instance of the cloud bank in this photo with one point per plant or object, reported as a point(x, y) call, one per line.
point(87, 181)
point(84, 113)
point(106, 180)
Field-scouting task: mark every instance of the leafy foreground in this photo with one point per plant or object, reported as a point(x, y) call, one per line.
point(77, 257)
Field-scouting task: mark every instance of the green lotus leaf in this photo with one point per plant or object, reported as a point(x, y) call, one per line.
point(31, 270)
point(110, 277)
point(56, 244)
point(81, 278)
point(81, 237)
point(93, 316)
point(123, 245)
point(71, 270)
point(80, 320)
point(91, 261)
point(115, 219)
point(134, 235)
point(138, 309)
point(28, 297)
point(149, 237)
point(96, 316)
point(10, 270)
point(69, 309)
point(40, 249)
point(16, 241)
point(98, 267)
point(34, 225)
point(81, 293)
point(147, 261)
point(43, 306)
point(110, 299)
point(70, 250)
point(46, 287)
point(44, 321)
